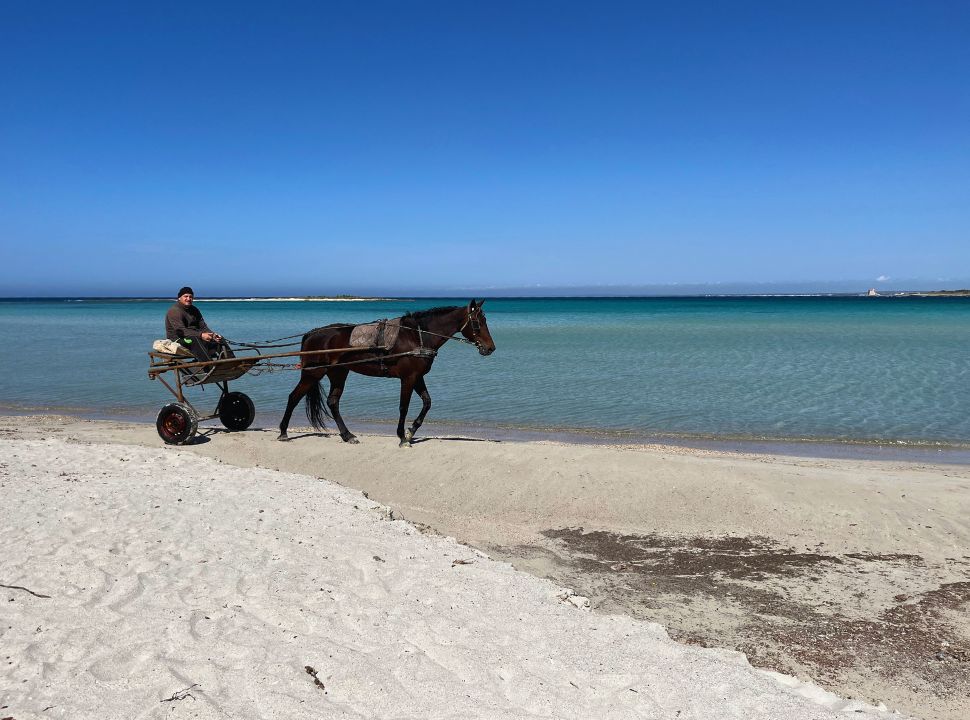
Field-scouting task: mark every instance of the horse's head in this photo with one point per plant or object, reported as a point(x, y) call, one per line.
point(476, 329)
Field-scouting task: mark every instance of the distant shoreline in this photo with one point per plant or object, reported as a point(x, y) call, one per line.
point(932, 293)
point(890, 294)
point(308, 298)
point(304, 299)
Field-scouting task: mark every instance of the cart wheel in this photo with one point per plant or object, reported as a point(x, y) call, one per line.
point(236, 411)
point(176, 424)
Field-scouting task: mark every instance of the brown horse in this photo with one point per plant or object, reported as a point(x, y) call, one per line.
point(410, 358)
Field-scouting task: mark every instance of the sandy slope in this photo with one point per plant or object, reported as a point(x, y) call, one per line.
point(180, 587)
point(850, 573)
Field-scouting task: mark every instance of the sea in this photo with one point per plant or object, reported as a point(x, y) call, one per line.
point(832, 375)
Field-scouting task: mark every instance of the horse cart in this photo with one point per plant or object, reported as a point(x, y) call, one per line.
point(178, 422)
point(402, 348)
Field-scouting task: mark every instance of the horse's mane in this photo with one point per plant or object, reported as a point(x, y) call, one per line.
point(416, 316)
point(308, 333)
point(420, 315)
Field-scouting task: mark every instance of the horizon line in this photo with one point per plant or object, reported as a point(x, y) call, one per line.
point(409, 298)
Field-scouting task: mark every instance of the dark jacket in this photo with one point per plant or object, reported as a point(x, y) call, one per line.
point(183, 322)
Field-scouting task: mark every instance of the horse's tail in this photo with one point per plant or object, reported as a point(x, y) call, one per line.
point(316, 408)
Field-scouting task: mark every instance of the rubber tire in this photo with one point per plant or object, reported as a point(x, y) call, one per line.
point(176, 424)
point(236, 411)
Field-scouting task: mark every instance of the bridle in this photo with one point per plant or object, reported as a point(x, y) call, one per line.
point(473, 317)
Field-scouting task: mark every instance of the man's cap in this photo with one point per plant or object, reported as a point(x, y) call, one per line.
point(185, 290)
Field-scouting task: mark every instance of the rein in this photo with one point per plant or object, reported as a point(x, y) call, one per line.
point(471, 317)
point(420, 331)
point(265, 343)
point(261, 345)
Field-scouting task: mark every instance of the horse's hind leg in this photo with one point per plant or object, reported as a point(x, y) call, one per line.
point(338, 377)
point(422, 390)
point(301, 389)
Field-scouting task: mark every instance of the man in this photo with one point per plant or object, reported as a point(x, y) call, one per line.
point(184, 324)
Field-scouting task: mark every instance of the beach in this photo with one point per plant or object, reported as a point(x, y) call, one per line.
point(470, 578)
point(669, 306)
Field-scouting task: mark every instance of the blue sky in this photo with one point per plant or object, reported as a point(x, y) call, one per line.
point(423, 147)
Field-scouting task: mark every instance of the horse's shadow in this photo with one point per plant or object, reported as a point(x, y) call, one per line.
point(417, 441)
point(206, 433)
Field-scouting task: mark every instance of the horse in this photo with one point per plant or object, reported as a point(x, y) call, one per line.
point(409, 358)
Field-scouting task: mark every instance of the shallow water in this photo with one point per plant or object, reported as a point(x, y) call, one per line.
point(885, 370)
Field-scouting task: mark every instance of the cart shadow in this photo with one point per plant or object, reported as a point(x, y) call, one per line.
point(300, 436)
point(205, 432)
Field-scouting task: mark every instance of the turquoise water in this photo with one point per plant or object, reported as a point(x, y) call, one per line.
point(844, 369)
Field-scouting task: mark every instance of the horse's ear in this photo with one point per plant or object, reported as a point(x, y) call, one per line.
point(481, 302)
point(471, 305)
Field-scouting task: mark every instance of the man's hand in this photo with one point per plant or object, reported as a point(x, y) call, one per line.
point(211, 337)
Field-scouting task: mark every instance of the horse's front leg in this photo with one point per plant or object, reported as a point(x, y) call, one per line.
point(407, 387)
point(301, 389)
point(422, 390)
point(337, 380)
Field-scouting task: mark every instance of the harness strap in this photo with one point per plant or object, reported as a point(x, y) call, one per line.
point(421, 332)
point(423, 352)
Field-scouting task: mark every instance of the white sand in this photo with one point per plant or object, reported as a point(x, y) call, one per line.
point(169, 571)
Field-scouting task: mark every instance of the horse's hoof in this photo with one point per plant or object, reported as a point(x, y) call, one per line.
point(352, 439)
point(282, 437)
point(408, 435)
point(405, 443)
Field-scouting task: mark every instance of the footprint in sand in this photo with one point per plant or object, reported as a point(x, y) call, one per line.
point(127, 662)
point(128, 589)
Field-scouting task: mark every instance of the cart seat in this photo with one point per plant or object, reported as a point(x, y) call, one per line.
point(222, 370)
point(170, 347)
